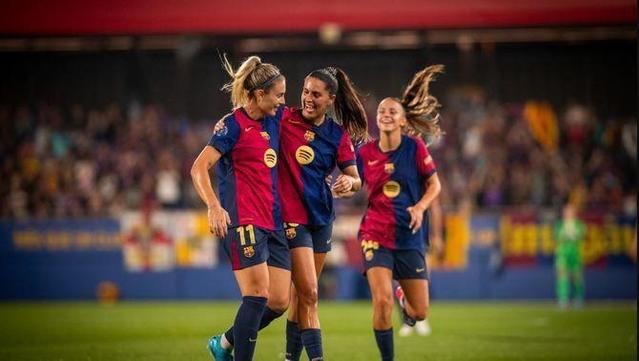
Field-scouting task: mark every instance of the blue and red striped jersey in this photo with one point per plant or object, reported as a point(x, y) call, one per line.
point(247, 173)
point(308, 155)
point(394, 180)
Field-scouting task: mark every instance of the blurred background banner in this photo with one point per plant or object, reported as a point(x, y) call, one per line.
point(528, 240)
point(172, 256)
point(105, 105)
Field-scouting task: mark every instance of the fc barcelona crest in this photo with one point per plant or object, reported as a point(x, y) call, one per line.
point(369, 255)
point(369, 248)
point(265, 135)
point(389, 168)
point(309, 136)
point(249, 251)
point(290, 233)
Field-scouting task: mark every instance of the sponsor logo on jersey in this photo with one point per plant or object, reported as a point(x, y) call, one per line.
point(304, 155)
point(391, 189)
point(270, 158)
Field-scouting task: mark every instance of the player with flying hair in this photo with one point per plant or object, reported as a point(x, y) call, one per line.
point(401, 181)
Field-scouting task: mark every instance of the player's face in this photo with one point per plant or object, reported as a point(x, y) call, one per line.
point(569, 212)
point(390, 116)
point(316, 100)
point(269, 101)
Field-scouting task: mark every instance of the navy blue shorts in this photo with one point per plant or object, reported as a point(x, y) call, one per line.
point(317, 237)
point(247, 246)
point(405, 263)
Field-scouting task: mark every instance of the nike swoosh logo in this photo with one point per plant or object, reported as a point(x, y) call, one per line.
point(371, 162)
point(247, 129)
point(419, 270)
point(252, 339)
point(329, 241)
point(294, 121)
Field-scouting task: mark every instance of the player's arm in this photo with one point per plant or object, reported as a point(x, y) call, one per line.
point(349, 181)
point(437, 226)
point(218, 217)
point(433, 187)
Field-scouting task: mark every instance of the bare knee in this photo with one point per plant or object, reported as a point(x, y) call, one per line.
point(278, 303)
point(308, 296)
point(257, 291)
point(383, 308)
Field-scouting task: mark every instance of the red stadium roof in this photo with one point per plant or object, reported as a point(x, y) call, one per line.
point(69, 17)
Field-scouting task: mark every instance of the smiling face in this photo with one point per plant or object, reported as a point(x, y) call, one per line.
point(269, 100)
point(390, 116)
point(316, 99)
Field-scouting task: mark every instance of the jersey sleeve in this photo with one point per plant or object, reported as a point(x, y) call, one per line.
point(425, 163)
point(345, 152)
point(225, 135)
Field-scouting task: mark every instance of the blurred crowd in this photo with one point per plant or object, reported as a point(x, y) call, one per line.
point(78, 161)
point(530, 155)
point(83, 162)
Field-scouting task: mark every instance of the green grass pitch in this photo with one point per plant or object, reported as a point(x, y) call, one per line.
point(158, 331)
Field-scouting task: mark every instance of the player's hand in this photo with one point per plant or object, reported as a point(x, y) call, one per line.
point(346, 194)
point(343, 184)
point(416, 217)
point(219, 220)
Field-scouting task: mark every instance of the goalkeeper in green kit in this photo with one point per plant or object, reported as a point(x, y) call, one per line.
point(569, 234)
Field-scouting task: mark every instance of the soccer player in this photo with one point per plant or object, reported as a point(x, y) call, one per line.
point(312, 144)
point(401, 181)
point(247, 215)
point(570, 232)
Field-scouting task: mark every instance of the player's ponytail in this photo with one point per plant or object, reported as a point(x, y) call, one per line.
point(250, 76)
point(421, 107)
point(349, 111)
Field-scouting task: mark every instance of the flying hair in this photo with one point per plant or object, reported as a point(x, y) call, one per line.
point(420, 107)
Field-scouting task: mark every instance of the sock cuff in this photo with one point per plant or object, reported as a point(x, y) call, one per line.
point(383, 332)
point(310, 330)
point(255, 300)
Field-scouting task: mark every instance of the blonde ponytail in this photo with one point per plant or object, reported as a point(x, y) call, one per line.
point(250, 76)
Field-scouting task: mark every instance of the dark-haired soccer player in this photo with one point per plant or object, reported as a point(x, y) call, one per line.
point(312, 145)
